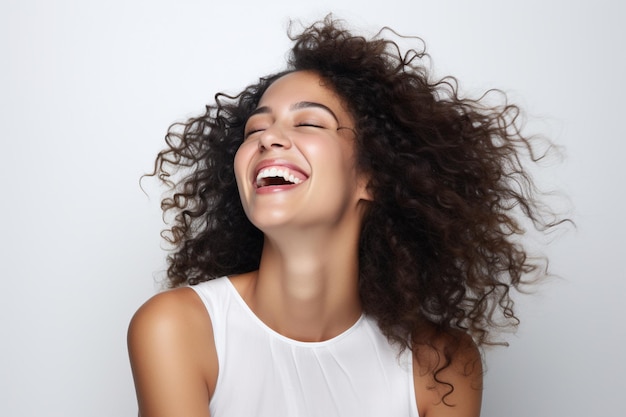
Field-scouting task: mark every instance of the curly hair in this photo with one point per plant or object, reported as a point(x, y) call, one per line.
point(439, 249)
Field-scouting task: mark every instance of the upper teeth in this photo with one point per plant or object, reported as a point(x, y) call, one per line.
point(277, 172)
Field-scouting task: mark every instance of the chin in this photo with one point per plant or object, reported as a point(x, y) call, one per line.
point(267, 222)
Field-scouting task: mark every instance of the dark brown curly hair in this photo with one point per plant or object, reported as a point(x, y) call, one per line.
point(439, 250)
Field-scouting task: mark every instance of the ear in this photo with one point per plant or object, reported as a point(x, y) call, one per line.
point(363, 187)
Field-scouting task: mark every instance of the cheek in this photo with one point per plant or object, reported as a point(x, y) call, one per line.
point(334, 156)
point(326, 149)
point(242, 156)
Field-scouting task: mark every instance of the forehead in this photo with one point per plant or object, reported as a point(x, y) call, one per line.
point(301, 86)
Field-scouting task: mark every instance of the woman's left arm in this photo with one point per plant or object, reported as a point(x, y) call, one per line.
point(459, 394)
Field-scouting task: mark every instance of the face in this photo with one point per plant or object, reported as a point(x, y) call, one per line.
point(296, 166)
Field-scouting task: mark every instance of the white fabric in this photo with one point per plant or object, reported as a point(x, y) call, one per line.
point(265, 374)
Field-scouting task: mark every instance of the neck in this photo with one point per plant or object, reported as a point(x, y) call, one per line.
point(306, 287)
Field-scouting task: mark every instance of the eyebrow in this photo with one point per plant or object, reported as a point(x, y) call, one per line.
point(298, 106)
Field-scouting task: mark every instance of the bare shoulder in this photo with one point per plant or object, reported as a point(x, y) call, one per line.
point(172, 355)
point(448, 388)
point(166, 310)
point(175, 319)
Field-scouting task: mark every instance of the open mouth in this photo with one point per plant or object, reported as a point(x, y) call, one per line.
point(275, 176)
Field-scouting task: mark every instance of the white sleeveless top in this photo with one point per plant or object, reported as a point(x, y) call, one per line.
point(265, 374)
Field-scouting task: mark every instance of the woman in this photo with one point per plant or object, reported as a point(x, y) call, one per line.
point(345, 242)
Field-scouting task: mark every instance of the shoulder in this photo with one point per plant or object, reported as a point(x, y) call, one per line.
point(172, 353)
point(175, 320)
point(448, 377)
point(175, 311)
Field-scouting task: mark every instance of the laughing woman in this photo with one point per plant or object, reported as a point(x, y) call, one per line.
point(345, 242)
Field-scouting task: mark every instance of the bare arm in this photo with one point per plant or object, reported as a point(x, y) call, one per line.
point(172, 355)
point(464, 373)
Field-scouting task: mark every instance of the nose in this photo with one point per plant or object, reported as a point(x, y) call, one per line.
point(274, 137)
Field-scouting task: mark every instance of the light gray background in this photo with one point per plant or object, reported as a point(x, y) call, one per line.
point(88, 89)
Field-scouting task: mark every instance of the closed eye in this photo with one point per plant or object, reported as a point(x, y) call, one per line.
point(310, 125)
point(252, 132)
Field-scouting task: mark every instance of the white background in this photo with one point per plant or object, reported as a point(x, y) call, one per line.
point(88, 89)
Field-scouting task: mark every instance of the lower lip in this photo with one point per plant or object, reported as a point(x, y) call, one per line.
point(275, 188)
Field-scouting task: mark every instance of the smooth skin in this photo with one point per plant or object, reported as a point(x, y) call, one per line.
point(306, 287)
